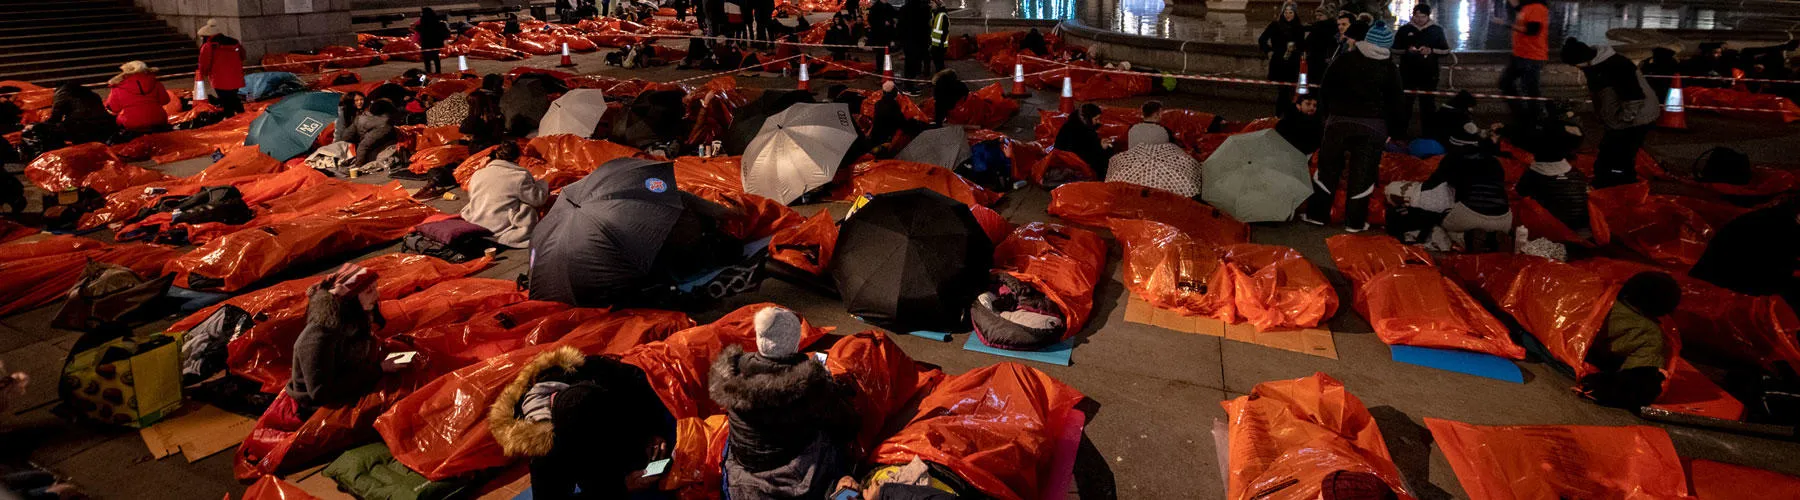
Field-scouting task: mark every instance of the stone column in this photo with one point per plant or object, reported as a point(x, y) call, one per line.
point(263, 26)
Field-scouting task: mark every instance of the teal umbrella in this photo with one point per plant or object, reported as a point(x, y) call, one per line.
point(288, 128)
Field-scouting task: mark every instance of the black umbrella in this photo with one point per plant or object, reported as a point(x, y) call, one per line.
point(911, 260)
point(524, 104)
point(602, 236)
point(751, 115)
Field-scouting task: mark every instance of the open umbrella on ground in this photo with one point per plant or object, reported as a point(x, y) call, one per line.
point(524, 104)
point(289, 127)
point(1163, 166)
point(798, 150)
point(1257, 177)
point(911, 260)
point(946, 147)
point(751, 116)
point(603, 234)
point(577, 113)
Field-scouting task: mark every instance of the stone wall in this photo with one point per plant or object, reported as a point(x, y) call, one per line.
point(264, 26)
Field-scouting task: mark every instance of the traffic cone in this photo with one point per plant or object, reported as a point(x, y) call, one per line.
point(1300, 86)
point(1068, 95)
point(566, 61)
point(805, 76)
point(1674, 115)
point(462, 64)
point(1018, 88)
point(887, 66)
point(199, 90)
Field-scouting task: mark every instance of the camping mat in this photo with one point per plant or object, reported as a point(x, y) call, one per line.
point(1314, 341)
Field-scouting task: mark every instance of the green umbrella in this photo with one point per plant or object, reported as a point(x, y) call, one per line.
point(288, 128)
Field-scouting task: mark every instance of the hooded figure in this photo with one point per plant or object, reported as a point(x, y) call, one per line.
point(336, 358)
point(791, 422)
point(1625, 103)
point(589, 423)
point(137, 98)
point(504, 198)
point(222, 67)
point(1361, 99)
point(1282, 43)
point(1631, 349)
point(77, 115)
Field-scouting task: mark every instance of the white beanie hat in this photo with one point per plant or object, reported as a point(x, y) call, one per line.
point(777, 333)
point(210, 28)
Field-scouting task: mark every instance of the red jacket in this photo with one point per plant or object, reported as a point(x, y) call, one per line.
point(221, 63)
point(138, 101)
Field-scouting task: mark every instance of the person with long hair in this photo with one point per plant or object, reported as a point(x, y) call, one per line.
point(1281, 43)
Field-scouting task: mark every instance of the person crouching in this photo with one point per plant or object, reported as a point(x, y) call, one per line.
point(791, 422)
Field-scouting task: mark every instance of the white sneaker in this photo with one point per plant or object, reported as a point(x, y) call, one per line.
point(1356, 229)
point(1309, 220)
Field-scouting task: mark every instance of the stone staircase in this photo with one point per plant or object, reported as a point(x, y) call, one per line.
point(51, 42)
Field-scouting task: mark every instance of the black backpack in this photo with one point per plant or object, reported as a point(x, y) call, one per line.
point(1723, 165)
point(222, 204)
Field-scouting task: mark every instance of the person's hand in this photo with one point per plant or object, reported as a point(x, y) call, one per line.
point(657, 449)
point(848, 483)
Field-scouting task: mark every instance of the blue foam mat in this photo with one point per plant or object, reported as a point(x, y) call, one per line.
point(938, 336)
point(1465, 362)
point(1057, 354)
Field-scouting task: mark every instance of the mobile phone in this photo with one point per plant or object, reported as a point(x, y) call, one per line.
point(656, 468)
point(401, 358)
point(846, 494)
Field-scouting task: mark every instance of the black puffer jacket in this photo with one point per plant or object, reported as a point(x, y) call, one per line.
point(1565, 196)
point(1477, 177)
point(790, 424)
point(1361, 85)
point(81, 114)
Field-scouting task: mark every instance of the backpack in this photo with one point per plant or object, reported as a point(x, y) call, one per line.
point(1723, 165)
point(223, 204)
point(454, 240)
point(108, 295)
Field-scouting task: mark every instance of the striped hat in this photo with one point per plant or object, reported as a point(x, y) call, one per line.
point(1380, 35)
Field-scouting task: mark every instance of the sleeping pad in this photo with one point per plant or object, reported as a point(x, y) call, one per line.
point(1047, 262)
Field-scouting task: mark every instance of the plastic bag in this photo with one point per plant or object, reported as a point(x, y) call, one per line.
point(1746, 329)
point(1755, 107)
point(752, 217)
point(88, 165)
point(997, 426)
point(1059, 166)
point(1172, 270)
point(273, 488)
point(1723, 481)
point(52, 244)
point(1669, 229)
point(719, 172)
point(1101, 86)
point(1286, 436)
point(1560, 461)
point(567, 158)
point(1091, 203)
point(38, 281)
point(1407, 301)
point(341, 56)
point(173, 146)
point(1276, 287)
point(808, 246)
point(293, 195)
point(1561, 305)
point(239, 259)
point(425, 160)
point(886, 379)
point(887, 176)
point(988, 108)
point(240, 166)
point(1062, 262)
point(1531, 215)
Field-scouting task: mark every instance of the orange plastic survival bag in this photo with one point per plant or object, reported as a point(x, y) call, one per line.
point(88, 165)
point(273, 488)
point(1746, 329)
point(1174, 271)
point(997, 426)
point(887, 176)
point(1672, 230)
point(1561, 461)
point(1407, 301)
point(750, 217)
point(1275, 287)
point(808, 246)
point(1062, 262)
point(886, 379)
point(720, 172)
point(988, 108)
point(241, 165)
point(1559, 304)
point(1287, 435)
point(1723, 481)
point(38, 281)
point(1092, 203)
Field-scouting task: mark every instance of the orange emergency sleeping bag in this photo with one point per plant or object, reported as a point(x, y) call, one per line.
point(1286, 436)
point(1000, 427)
point(1561, 461)
point(239, 259)
point(1268, 286)
point(1407, 301)
point(1092, 203)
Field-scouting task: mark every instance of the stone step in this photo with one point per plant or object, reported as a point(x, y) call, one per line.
point(165, 64)
point(9, 22)
point(152, 45)
point(53, 15)
point(89, 27)
point(16, 41)
point(10, 7)
point(97, 42)
point(171, 76)
point(157, 53)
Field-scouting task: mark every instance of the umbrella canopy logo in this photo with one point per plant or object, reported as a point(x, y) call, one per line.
point(656, 185)
point(309, 126)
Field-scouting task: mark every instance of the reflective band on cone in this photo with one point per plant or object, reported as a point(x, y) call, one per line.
point(1300, 87)
point(566, 61)
point(1674, 115)
point(805, 77)
point(887, 66)
point(199, 90)
point(1018, 88)
point(1068, 95)
point(462, 63)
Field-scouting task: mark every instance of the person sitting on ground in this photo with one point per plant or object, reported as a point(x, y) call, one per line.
point(1080, 134)
point(350, 106)
point(336, 357)
point(791, 422)
point(137, 98)
point(1300, 124)
point(1757, 253)
point(373, 131)
point(1551, 181)
point(589, 424)
point(1449, 117)
point(1630, 350)
point(414, 110)
point(1034, 43)
point(77, 116)
point(947, 91)
point(505, 199)
point(1480, 209)
point(889, 122)
point(1151, 130)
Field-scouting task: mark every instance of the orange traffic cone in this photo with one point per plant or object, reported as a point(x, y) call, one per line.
point(462, 64)
point(566, 61)
point(887, 66)
point(1068, 95)
point(805, 77)
point(1300, 86)
point(199, 90)
point(1674, 115)
point(1018, 88)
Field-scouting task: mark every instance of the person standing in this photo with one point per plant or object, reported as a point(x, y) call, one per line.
point(432, 34)
point(915, 38)
point(1530, 50)
point(1420, 43)
point(940, 36)
point(137, 99)
point(1626, 104)
point(1321, 44)
point(1361, 98)
point(1280, 42)
point(221, 67)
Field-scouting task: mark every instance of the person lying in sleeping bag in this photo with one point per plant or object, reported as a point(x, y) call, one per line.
point(918, 480)
point(591, 425)
point(1630, 349)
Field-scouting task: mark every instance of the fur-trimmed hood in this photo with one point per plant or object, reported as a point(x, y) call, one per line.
point(743, 380)
point(516, 435)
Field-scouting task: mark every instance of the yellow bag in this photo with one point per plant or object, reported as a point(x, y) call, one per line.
point(129, 380)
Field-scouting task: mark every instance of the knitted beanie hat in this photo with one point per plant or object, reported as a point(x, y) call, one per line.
point(1380, 35)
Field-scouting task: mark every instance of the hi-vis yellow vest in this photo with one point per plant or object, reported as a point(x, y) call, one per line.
point(940, 29)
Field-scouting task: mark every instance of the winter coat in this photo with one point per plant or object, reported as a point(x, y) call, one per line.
point(432, 33)
point(1628, 340)
point(371, 133)
point(1622, 97)
point(1363, 83)
point(80, 115)
point(221, 63)
point(567, 455)
point(790, 424)
point(336, 359)
point(504, 198)
point(1754, 254)
point(137, 100)
point(1275, 38)
point(1421, 65)
point(1081, 139)
point(1564, 195)
point(1477, 178)
point(1322, 41)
